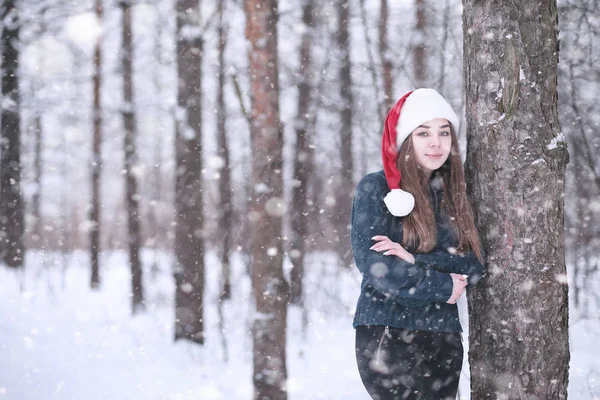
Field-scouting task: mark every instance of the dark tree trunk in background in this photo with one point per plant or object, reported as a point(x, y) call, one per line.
point(303, 158)
point(225, 192)
point(96, 159)
point(267, 207)
point(516, 168)
point(189, 234)
point(12, 248)
point(346, 183)
point(134, 239)
point(420, 47)
point(37, 180)
point(386, 61)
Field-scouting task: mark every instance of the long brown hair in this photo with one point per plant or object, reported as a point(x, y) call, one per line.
point(420, 231)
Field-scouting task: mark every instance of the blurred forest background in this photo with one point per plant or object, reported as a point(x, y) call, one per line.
point(131, 141)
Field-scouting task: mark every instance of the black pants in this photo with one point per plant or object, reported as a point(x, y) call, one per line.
point(405, 364)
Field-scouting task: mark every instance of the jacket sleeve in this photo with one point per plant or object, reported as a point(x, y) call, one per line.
point(405, 283)
point(443, 261)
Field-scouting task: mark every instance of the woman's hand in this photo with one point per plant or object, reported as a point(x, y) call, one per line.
point(393, 248)
point(459, 283)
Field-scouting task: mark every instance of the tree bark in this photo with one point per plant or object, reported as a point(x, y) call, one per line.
point(225, 192)
point(346, 185)
point(267, 207)
point(303, 158)
point(12, 248)
point(189, 231)
point(515, 170)
point(134, 239)
point(96, 159)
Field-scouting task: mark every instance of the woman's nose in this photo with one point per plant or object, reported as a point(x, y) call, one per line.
point(435, 141)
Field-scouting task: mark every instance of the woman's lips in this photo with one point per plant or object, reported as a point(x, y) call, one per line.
point(434, 156)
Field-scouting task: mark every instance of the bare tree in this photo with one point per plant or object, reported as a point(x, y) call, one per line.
point(96, 158)
point(37, 178)
point(386, 59)
point(189, 233)
point(519, 346)
point(372, 67)
point(303, 157)
point(271, 291)
point(419, 45)
point(134, 239)
point(579, 69)
point(225, 191)
point(12, 248)
point(346, 183)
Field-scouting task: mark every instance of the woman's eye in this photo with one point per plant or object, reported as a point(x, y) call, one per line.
point(422, 133)
point(444, 133)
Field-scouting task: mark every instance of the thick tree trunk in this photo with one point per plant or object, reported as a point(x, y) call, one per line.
point(346, 184)
point(515, 169)
point(386, 60)
point(189, 234)
point(225, 192)
point(267, 206)
point(96, 160)
point(134, 239)
point(12, 248)
point(303, 158)
point(420, 46)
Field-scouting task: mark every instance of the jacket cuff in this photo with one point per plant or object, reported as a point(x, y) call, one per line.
point(444, 287)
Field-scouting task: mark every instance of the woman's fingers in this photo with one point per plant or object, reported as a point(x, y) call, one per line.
point(380, 237)
point(391, 248)
point(400, 254)
point(459, 283)
point(383, 246)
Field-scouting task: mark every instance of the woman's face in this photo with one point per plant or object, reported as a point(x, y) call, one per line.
point(431, 143)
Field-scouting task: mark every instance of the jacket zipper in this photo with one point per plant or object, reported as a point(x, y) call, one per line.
point(386, 332)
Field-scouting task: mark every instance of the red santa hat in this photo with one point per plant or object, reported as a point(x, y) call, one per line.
point(412, 110)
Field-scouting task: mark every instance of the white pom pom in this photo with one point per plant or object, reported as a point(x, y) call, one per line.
point(399, 202)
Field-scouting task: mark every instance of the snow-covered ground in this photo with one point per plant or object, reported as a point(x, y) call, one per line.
point(60, 340)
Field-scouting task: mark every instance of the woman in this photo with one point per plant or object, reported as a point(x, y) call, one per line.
point(417, 249)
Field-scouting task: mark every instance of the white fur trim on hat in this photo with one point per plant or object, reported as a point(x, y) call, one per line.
point(421, 106)
point(399, 202)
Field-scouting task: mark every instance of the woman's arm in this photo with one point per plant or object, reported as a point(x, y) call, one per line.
point(392, 276)
point(444, 261)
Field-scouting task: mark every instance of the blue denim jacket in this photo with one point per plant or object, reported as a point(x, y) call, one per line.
point(395, 292)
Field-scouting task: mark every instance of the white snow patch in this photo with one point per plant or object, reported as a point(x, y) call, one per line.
point(560, 138)
point(538, 161)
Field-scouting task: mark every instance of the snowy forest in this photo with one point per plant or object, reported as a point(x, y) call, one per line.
point(176, 182)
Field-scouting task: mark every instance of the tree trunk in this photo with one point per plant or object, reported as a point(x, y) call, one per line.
point(303, 158)
point(420, 46)
point(386, 61)
point(37, 181)
point(12, 248)
point(134, 239)
point(225, 192)
point(96, 159)
point(267, 207)
point(346, 184)
point(189, 233)
point(516, 167)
